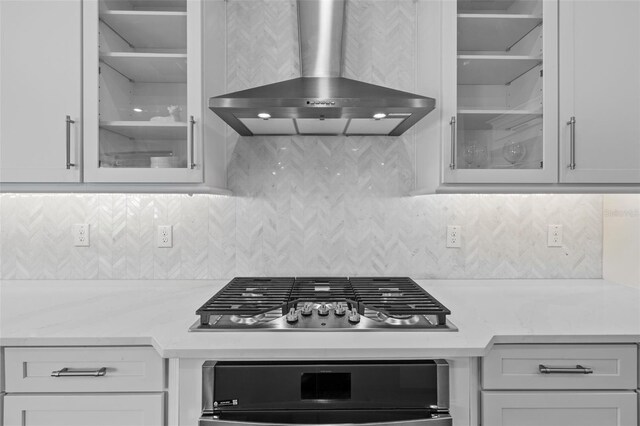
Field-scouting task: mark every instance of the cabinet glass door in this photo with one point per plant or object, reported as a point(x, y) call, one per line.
point(498, 126)
point(143, 84)
point(148, 90)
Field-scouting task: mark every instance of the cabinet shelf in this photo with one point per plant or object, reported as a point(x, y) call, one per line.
point(148, 67)
point(485, 5)
point(147, 130)
point(493, 69)
point(158, 4)
point(494, 119)
point(149, 29)
point(493, 32)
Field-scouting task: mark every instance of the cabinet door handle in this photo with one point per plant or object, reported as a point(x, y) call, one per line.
point(69, 122)
point(578, 369)
point(67, 372)
point(572, 143)
point(192, 123)
point(452, 123)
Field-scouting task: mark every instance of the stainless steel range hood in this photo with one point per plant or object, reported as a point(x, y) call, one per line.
point(321, 102)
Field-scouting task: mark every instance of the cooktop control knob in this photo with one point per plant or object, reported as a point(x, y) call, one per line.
point(292, 316)
point(341, 309)
point(323, 310)
point(354, 317)
point(307, 309)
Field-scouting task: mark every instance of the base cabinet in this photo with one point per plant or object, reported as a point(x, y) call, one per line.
point(559, 408)
point(560, 385)
point(83, 410)
point(82, 386)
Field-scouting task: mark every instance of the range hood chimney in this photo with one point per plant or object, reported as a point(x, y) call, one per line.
point(321, 102)
point(320, 29)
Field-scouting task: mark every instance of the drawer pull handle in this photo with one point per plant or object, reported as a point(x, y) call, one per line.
point(578, 369)
point(66, 372)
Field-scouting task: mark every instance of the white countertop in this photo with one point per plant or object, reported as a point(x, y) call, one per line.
point(159, 313)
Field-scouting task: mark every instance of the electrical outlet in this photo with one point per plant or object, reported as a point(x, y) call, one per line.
point(554, 236)
point(454, 236)
point(80, 232)
point(164, 236)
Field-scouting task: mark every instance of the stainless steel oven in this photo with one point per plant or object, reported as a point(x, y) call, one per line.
point(408, 392)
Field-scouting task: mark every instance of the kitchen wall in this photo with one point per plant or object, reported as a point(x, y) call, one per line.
point(306, 205)
point(621, 238)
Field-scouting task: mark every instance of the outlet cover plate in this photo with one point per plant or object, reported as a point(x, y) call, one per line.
point(454, 236)
point(80, 233)
point(164, 236)
point(554, 236)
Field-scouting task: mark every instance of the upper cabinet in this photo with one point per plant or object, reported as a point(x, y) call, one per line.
point(143, 91)
point(600, 91)
point(536, 96)
point(40, 91)
point(109, 95)
point(499, 104)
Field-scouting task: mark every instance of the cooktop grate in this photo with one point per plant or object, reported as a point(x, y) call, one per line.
point(321, 289)
point(397, 297)
point(248, 297)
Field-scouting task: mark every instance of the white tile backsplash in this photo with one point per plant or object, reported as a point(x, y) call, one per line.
point(324, 233)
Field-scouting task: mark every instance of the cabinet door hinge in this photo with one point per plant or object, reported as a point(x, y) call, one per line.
point(540, 73)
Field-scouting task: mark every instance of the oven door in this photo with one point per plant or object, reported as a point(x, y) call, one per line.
point(285, 393)
point(329, 418)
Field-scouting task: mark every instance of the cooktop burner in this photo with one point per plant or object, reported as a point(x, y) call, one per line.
point(323, 303)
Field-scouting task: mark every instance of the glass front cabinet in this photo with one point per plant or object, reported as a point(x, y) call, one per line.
point(143, 91)
point(499, 105)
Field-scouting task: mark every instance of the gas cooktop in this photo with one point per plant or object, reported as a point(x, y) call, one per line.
point(323, 303)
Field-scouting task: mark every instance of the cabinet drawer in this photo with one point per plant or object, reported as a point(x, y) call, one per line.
point(83, 410)
point(559, 408)
point(518, 367)
point(125, 369)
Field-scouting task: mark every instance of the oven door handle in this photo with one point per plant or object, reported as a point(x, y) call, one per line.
point(440, 420)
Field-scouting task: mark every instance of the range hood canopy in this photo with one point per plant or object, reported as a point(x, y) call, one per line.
point(321, 102)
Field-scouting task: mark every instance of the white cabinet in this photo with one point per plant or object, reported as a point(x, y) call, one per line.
point(536, 96)
point(536, 367)
point(559, 408)
point(560, 385)
point(143, 91)
point(83, 410)
point(114, 386)
point(109, 95)
point(40, 86)
point(1, 386)
point(500, 92)
point(600, 89)
point(131, 369)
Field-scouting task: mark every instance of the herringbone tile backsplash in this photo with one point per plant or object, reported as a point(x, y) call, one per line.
point(299, 233)
point(306, 205)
